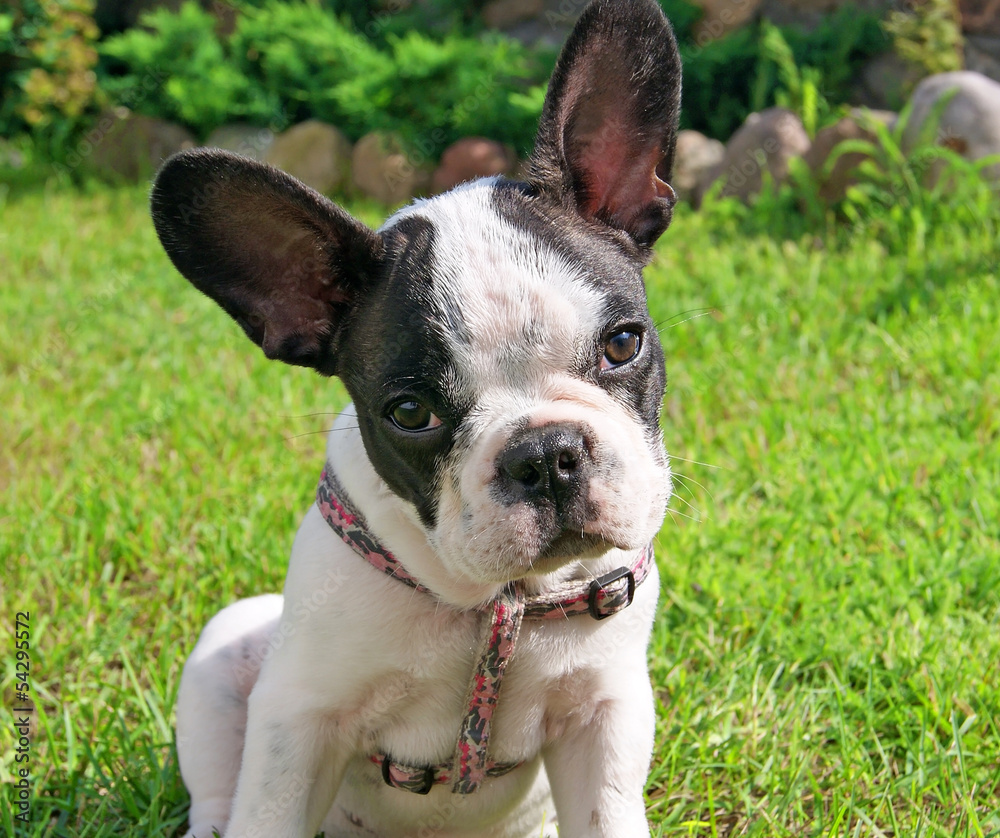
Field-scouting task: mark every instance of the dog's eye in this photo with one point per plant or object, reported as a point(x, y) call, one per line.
point(411, 416)
point(621, 348)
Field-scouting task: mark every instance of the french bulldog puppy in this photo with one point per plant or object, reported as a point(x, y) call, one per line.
point(486, 509)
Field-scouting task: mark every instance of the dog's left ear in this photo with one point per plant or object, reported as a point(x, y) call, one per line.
point(605, 144)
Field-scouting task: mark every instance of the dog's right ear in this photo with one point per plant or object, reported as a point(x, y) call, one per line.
point(283, 261)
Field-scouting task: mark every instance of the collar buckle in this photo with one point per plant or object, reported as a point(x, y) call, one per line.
point(608, 598)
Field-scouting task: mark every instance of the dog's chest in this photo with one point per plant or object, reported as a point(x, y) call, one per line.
point(435, 678)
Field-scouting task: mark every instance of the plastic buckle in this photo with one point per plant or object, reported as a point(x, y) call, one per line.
point(602, 583)
point(424, 788)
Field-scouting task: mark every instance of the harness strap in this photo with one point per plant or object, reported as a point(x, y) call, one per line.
point(470, 765)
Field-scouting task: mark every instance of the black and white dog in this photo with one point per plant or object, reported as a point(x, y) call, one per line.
point(487, 501)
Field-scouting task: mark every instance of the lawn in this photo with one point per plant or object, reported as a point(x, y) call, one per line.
point(827, 653)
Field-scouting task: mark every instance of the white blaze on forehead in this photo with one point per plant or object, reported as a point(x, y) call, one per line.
point(526, 309)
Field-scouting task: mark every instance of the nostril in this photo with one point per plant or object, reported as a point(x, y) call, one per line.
point(546, 465)
point(525, 473)
point(567, 461)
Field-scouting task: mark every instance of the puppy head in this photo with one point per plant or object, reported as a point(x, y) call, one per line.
point(496, 341)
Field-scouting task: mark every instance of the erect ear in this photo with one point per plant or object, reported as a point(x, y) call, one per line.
point(606, 140)
point(282, 260)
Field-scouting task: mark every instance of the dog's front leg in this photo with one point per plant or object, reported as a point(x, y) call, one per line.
point(293, 763)
point(597, 770)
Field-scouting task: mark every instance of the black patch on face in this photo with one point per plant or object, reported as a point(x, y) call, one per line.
point(396, 346)
point(612, 263)
point(393, 349)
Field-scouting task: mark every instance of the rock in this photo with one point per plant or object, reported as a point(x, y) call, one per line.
point(766, 140)
point(970, 122)
point(833, 184)
point(470, 158)
point(501, 14)
point(885, 82)
point(382, 170)
point(316, 153)
point(982, 55)
point(129, 146)
point(248, 140)
point(695, 157)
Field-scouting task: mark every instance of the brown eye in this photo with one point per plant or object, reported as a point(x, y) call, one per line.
point(620, 349)
point(412, 416)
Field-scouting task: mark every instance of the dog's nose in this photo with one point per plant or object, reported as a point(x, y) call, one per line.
point(546, 464)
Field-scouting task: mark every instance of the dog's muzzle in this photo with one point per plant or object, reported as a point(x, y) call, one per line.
point(549, 468)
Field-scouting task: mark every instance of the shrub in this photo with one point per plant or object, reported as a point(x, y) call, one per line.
point(287, 62)
point(480, 86)
point(929, 36)
point(177, 68)
point(47, 60)
point(726, 79)
point(298, 57)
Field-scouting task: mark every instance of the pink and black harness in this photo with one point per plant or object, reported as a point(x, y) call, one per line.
point(470, 765)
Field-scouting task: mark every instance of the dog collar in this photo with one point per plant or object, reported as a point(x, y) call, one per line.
point(470, 765)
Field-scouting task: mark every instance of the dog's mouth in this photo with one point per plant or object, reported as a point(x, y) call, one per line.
point(569, 546)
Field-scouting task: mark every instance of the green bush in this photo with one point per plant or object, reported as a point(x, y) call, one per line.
point(177, 68)
point(47, 81)
point(287, 62)
point(485, 85)
point(298, 58)
point(363, 65)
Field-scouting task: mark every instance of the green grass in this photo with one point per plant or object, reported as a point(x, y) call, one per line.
point(827, 655)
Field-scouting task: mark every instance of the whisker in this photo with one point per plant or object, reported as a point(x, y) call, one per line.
point(685, 479)
point(697, 463)
point(684, 515)
point(691, 506)
point(694, 312)
point(309, 415)
point(317, 433)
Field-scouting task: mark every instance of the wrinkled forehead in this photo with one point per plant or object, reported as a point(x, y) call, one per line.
point(514, 291)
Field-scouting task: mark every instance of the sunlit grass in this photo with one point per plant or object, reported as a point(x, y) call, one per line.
point(827, 657)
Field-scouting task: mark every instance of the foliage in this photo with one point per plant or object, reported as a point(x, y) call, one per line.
point(683, 15)
point(175, 67)
point(754, 66)
point(799, 87)
point(47, 60)
point(826, 646)
point(299, 57)
point(902, 192)
point(286, 62)
point(928, 35)
point(481, 86)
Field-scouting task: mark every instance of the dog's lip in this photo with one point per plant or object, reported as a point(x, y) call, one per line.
point(570, 546)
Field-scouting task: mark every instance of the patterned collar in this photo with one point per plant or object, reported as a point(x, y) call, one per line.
point(600, 598)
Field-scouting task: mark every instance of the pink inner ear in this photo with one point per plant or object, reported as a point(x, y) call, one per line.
point(620, 179)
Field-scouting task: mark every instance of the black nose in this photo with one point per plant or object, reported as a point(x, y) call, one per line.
point(547, 464)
